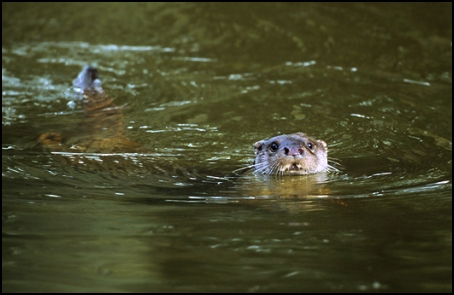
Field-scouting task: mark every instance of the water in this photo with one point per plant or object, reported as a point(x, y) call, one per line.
point(200, 84)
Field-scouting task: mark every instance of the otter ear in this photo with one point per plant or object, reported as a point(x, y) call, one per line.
point(322, 143)
point(258, 146)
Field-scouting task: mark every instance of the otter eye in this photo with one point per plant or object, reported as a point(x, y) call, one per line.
point(274, 146)
point(310, 145)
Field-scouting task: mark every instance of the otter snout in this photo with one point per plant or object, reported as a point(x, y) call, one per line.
point(293, 151)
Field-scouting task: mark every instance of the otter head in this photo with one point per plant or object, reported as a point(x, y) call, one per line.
point(88, 79)
point(293, 154)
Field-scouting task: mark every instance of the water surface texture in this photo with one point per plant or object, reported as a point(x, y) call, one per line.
point(200, 83)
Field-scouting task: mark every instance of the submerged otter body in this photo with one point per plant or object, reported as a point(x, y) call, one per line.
point(290, 154)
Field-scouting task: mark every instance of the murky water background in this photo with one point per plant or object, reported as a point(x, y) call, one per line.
point(202, 83)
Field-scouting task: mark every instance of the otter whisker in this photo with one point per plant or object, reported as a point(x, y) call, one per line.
point(335, 161)
point(277, 169)
point(271, 169)
point(260, 168)
point(332, 169)
point(244, 169)
point(267, 169)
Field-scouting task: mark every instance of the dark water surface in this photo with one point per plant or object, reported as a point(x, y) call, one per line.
point(202, 83)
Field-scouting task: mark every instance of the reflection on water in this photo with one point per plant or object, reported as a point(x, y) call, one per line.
point(200, 83)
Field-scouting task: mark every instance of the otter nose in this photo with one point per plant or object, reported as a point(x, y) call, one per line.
point(293, 151)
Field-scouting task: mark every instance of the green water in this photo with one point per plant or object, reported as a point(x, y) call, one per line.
point(202, 83)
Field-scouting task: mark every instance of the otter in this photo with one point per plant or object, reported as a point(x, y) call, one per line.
point(102, 132)
point(102, 128)
point(290, 154)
